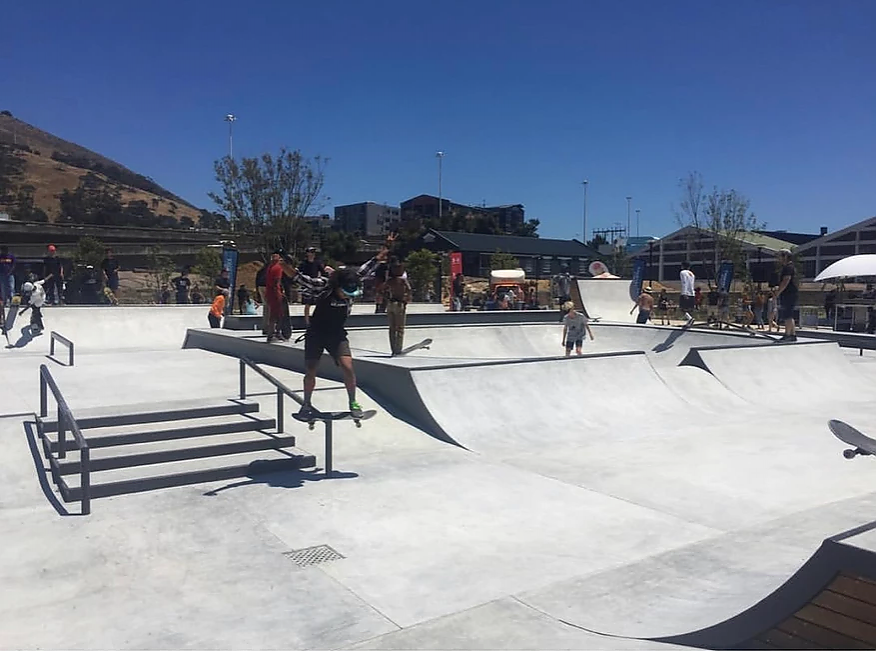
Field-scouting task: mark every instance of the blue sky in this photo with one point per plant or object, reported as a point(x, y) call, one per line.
point(773, 98)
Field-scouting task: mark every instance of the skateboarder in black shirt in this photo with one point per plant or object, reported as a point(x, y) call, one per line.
point(332, 297)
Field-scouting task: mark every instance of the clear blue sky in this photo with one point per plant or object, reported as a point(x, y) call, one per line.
point(776, 98)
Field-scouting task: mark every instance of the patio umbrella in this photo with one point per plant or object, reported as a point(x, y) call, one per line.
point(860, 265)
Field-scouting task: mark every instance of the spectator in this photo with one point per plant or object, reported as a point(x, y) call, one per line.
point(687, 302)
point(7, 275)
point(223, 282)
point(314, 268)
point(458, 292)
point(217, 309)
point(645, 303)
point(698, 297)
point(242, 298)
point(787, 295)
point(182, 284)
point(563, 287)
point(110, 267)
point(197, 297)
point(52, 267)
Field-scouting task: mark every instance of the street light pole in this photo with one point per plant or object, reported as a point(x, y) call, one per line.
point(584, 234)
point(629, 199)
point(638, 210)
point(230, 118)
point(440, 156)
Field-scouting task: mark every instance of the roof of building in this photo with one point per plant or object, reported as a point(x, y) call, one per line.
point(753, 239)
point(513, 244)
point(788, 236)
point(869, 222)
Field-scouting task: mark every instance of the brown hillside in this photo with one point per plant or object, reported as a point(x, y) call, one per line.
point(50, 177)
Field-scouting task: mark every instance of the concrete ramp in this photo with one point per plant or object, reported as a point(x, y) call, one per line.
point(607, 299)
point(786, 376)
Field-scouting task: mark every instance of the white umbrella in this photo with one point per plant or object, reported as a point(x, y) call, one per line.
point(860, 265)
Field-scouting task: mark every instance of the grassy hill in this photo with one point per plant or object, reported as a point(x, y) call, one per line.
point(38, 167)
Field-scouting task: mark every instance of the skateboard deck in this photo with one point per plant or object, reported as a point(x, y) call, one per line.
point(333, 416)
point(419, 345)
point(863, 445)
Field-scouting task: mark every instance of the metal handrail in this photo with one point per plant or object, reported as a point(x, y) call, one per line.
point(67, 420)
point(283, 390)
point(63, 340)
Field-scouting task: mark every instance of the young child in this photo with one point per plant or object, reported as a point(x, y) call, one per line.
point(574, 325)
point(34, 296)
point(218, 308)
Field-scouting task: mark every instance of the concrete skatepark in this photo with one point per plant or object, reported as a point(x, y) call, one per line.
point(669, 488)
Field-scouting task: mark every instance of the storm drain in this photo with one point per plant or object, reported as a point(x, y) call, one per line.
point(314, 555)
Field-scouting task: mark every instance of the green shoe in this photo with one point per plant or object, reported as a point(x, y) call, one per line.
point(356, 410)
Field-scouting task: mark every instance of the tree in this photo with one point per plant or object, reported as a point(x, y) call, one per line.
point(338, 245)
point(723, 215)
point(208, 262)
point(528, 229)
point(270, 197)
point(161, 268)
point(422, 269)
point(90, 251)
point(502, 260)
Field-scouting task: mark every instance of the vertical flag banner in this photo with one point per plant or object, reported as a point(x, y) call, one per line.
point(725, 276)
point(455, 264)
point(638, 278)
point(229, 262)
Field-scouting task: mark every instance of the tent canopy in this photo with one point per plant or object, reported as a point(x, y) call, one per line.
point(860, 265)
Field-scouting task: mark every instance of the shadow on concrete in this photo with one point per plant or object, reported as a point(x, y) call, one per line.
point(45, 485)
point(285, 479)
point(669, 342)
point(26, 338)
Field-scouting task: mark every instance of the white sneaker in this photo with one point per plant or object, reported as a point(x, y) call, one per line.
point(688, 317)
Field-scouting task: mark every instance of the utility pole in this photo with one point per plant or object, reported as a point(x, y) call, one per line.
point(584, 234)
point(629, 199)
point(230, 118)
point(638, 210)
point(440, 156)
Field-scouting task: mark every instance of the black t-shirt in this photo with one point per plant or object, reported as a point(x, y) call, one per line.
point(110, 267)
point(223, 283)
point(182, 284)
point(53, 265)
point(329, 317)
point(789, 292)
point(261, 275)
point(311, 269)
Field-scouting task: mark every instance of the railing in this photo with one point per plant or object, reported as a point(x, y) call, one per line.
point(63, 340)
point(283, 391)
point(67, 421)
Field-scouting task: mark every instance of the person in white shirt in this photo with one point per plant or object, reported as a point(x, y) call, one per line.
point(687, 302)
point(36, 298)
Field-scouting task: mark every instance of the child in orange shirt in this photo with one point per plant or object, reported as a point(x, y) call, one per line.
point(217, 309)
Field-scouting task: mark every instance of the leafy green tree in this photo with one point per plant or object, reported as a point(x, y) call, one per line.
point(270, 197)
point(528, 229)
point(208, 262)
point(422, 269)
point(161, 268)
point(503, 260)
point(90, 251)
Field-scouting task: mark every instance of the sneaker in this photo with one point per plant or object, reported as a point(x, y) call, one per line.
point(306, 412)
point(356, 410)
point(688, 317)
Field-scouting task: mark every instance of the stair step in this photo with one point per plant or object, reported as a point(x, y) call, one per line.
point(176, 474)
point(265, 442)
point(152, 413)
point(200, 430)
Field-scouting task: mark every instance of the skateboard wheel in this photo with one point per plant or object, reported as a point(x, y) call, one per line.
point(848, 453)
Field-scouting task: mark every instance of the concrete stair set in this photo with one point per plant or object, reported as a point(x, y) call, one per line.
point(145, 447)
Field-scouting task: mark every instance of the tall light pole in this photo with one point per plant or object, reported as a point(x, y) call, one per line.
point(629, 199)
point(230, 118)
point(440, 157)
point(638, 210)
point(584, 236)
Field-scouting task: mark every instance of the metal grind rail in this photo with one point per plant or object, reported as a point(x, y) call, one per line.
point(66, 421)
point(283, 391)
point(57, 337)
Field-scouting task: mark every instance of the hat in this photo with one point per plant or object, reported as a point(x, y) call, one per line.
point(310, 250)
point(646, 290)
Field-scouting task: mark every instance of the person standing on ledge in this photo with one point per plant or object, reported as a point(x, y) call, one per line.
point(787, 295)
point(688, 301)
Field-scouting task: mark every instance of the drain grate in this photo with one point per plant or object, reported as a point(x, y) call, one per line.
point(314, 555)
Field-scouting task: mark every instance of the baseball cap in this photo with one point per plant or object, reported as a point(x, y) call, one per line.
point(51, 247)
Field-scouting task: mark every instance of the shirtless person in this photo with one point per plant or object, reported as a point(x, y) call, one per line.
point(396, 296)
point(574, 325)
point(645, 304)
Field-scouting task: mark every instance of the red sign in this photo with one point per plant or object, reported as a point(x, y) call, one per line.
point(455, 264)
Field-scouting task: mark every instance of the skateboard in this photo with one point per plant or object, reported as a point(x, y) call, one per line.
point(333, 416)
point(414, 347)
point(863, 445)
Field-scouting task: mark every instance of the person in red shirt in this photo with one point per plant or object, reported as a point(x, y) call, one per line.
point(275, 297)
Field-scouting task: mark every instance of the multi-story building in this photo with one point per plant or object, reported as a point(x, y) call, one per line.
point(508, 217)
point(366, 218)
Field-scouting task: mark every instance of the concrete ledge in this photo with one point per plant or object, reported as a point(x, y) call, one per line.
point(846, 340)
point(254, 322)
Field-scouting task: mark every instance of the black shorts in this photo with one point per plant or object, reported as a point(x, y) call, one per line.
point(576, 343)
point(687, 302)
point(644, 316)
point(336, 345)
point(786, 309)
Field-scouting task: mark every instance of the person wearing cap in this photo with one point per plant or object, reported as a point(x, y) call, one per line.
point(314, 268)
point(332, 299)
point(574, 325)
point(52, 268)
point(645, 304)
point(787, 295)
